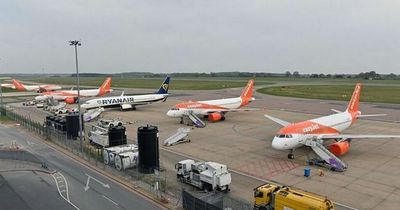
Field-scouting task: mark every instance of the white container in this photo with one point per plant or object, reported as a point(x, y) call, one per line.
point(126, 160)
point(110, 152)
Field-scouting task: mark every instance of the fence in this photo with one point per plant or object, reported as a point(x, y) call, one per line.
point(155, 184)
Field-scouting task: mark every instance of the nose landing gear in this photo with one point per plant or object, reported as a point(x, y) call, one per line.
point(291, 155)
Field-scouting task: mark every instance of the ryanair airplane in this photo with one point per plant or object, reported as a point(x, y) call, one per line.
point(130, 102)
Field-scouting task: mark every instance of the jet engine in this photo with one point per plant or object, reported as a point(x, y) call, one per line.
point(214, 117)
point(70, 100)
point(340, 148)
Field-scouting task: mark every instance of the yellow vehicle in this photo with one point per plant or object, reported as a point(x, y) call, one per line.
point(275, 197)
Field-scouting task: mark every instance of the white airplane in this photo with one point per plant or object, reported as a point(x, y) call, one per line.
point(294, 135)
point(214, 110)
point(7, 85)
point(71, 96)
point(130, 102)
point(38, 88)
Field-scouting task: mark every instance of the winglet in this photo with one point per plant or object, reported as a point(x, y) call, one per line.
point(164, 86)
point(247, 94)
point(105, 87)
point(18, 85)
point(355, 99)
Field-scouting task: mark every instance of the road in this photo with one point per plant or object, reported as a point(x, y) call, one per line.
point(102, 192)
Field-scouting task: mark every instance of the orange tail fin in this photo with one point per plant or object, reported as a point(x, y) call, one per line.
point(355, 99)
point(18, 85)
point(247, 94)
point(105, 87)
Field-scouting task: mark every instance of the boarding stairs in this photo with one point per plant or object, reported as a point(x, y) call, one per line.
point(181, 136)
point(334, 162)
point(195, 120)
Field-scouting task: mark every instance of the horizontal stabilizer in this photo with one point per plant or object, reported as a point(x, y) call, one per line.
point(279, 121)
point(371, 115)
point(337, 111)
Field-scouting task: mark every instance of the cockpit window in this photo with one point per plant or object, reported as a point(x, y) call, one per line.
point(284, 136)
point(174, 108)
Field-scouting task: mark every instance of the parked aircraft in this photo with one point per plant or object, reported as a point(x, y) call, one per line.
point(38, 88)
point(71, 96)
point(7, 85)
point(294, 135)
point(214, 110)
point(131, 101)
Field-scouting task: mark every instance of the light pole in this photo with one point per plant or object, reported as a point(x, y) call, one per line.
point(1, 99)
point(77, 43)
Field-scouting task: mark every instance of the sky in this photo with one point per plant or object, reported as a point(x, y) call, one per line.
point(309, 36)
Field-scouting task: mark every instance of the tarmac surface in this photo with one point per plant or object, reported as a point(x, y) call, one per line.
point(30, 190)
point(243, 142)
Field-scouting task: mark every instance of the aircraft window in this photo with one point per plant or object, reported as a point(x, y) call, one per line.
point(289, 136)
point(175, 108)
point(282, 136)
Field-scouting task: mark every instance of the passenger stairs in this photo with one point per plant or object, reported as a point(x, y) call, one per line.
point(182, 135)
point(329, 158)
point(195, 119)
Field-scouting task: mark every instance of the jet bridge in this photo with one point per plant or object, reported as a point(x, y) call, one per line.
point(328, 159)
point(182, 135)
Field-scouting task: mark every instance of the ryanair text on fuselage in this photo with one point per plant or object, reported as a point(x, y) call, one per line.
point(116, 100)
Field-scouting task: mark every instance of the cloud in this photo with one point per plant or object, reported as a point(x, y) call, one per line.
point(191, 36)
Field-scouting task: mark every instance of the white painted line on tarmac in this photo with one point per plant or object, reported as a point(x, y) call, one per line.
point(109, 199)
point(66, 189)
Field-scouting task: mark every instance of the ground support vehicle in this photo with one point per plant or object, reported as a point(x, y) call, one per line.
point(207, 176)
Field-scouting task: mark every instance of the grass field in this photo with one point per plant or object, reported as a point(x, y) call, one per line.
point(151, 83)
point(7, 90)
point(381, 94)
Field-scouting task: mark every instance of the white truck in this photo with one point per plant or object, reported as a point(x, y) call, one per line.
point(108, 123)
point(55, 108)
point(98, 136)
point(209, 176)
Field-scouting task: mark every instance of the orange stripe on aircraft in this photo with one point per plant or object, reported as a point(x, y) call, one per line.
point(307, 127)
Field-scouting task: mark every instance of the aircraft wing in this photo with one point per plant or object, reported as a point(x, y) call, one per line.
point(353, 136)
point(277, 120)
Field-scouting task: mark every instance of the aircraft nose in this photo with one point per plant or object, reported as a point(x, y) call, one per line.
point(170, 113)
point(277, 144)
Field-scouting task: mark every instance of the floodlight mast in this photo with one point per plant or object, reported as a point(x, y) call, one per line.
point(77, 43)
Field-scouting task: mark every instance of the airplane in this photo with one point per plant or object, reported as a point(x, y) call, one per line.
point(126, 102)
point(295, 135)
point(38, 88)
point(214, 110)
point(7, 85)
point(71, 96)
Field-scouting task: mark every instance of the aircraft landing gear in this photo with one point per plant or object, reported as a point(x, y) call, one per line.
point(291, 155)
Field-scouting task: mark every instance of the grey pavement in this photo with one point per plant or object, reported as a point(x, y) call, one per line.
point(97, 196)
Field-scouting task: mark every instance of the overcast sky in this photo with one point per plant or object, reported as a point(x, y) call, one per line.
point(321, 36)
